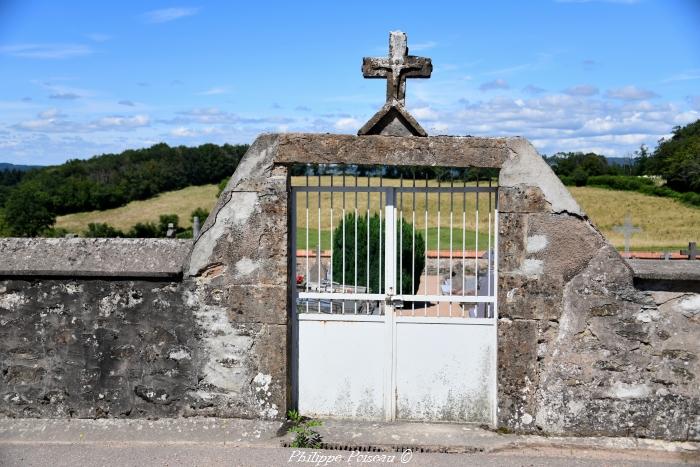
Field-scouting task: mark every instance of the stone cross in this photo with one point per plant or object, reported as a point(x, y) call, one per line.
point(692, 251)
point(397, 67)
point(627, 229)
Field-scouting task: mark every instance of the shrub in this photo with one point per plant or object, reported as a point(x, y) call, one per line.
point(376, 244)
point(144, 230)
point(201, 213)
point(579, 176)
point(620, 182)
point(102, 230)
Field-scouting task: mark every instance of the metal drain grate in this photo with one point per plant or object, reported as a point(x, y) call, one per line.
point(392, 448)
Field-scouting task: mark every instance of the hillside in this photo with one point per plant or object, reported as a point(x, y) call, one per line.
point(21, 168)
point(665, 223)
point(30, 201)
point(180, 202)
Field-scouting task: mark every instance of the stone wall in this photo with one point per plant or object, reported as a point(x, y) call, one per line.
point(150, 328)
point(109, 328)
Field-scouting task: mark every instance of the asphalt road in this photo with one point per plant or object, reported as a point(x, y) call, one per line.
point(215, 454)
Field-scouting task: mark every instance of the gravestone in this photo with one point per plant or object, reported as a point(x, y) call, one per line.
point(627, 229)
point(691, 252)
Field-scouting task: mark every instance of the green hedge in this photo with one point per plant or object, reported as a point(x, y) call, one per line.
point(642, 185)
point(404, 261)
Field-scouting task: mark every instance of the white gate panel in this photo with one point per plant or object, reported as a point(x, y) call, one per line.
point(419, 343)
point(445, 372)
point(342, 367)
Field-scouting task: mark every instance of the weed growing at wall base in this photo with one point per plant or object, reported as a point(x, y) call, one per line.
point(306, 436)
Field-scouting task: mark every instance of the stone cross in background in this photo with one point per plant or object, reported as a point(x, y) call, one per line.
point(692, 250)
point(627, 229)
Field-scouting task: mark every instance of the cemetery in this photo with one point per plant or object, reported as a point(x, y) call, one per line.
point(488, 297)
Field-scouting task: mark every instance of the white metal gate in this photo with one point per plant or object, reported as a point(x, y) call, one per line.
point(376, 338)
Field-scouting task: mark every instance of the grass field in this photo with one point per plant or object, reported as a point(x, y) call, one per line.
point(181, 202)
point(469, 239)
point(665, 223)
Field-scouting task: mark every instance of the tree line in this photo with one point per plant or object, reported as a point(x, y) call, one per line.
point(671, 170)
point(30, 201)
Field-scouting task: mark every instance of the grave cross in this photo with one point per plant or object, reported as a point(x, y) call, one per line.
point(692, 250)
point(627, 229)
point(397, 67)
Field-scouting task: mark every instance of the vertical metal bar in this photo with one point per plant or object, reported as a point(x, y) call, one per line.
point(344, 249)
point(390, 236)
point(476, 248)
point(400, 268)
point(488, 285)
point(452, 185)
point(464, 243)
point(413, 246)
point(381, 238)
point(369, 195)
point(307, 278)
point(356, 243)
point(425, 288)
point(438, 241)
point(330, 277)
point(318, 245)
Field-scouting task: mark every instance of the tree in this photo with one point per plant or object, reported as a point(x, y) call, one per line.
point(201, 213)
point(678, 159)
point(376, 245)
point(29, 211)
point(102, 230)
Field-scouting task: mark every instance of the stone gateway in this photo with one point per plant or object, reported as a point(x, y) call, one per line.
point(173, 328)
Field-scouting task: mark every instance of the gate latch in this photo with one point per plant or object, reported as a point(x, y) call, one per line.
point(395, 302)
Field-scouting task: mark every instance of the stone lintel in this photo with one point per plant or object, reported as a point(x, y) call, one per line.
point(447, 151)
point(93, 257)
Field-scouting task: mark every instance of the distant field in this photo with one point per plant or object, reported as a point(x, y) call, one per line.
point(665, 223)
point(181, 202)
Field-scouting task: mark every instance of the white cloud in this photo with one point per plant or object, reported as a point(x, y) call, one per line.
point(50, 113)
point(184, 132)
point(685, 76)
point(424, 112)
point(119, 122)
point(630, 93)
point(347, 124)
point(46, 51)
point(213, 91)
point(169, 14)
point(582, 90)
point(495, 84)
point(53, 121)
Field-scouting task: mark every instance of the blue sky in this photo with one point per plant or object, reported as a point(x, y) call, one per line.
point(81, 78)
